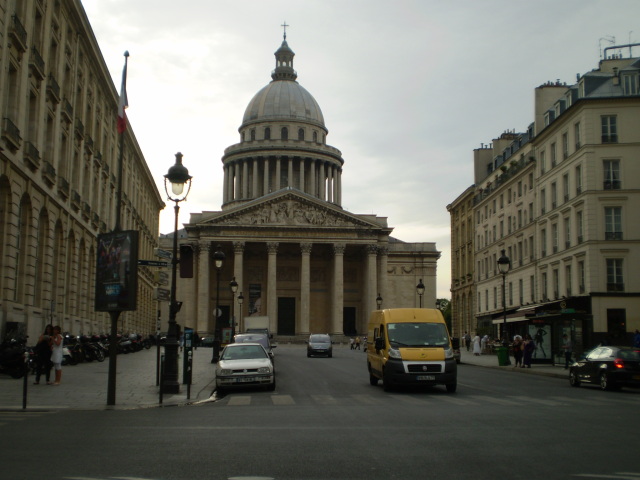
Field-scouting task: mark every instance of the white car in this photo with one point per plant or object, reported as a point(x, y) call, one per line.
point(244, 365)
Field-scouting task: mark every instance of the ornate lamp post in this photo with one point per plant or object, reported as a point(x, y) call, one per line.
point(240, 302)
point(178, 177)
point(218, 260)
point(233, 286)
point(379, 301)
point(420, 290)
point(504, 265)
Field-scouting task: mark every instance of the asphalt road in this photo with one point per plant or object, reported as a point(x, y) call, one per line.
point(325, 421)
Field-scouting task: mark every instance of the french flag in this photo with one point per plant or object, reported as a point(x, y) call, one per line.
point(123, 103)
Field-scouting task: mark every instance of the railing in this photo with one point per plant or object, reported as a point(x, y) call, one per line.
point(36, 62)
point(613, 235)
point(53, 89)
point(18, 32)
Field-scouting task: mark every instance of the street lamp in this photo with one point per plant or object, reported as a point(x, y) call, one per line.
point(379, 301)
point(178, 176)
point(218, 260)
point(233, 286)
point(420, 290)
point(240, 301)
point(504, 265)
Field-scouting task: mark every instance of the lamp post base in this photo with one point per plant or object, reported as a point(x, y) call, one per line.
point(170, 381)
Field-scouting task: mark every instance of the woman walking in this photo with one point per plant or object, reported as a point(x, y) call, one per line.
point(529, 347)
point(518, 351)
point(56, 353)
point(43, 355)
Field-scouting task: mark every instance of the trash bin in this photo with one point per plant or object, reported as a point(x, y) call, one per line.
point(503, 356)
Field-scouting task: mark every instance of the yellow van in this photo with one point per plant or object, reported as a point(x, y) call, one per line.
point(410, 346)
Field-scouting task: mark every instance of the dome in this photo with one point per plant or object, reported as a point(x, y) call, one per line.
point(283, 100)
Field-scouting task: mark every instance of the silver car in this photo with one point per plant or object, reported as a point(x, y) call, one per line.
point(243, 365)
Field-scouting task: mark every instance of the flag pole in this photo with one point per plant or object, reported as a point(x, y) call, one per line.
point(115, 314)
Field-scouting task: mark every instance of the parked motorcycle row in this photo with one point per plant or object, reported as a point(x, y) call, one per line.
point(76, 349)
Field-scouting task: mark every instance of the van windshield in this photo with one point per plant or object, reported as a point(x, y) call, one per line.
point(418, 335)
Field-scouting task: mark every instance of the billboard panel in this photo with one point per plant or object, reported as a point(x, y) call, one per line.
point(117, 271)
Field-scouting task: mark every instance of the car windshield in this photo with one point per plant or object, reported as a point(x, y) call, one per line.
point(418, 335)
point(319, 339)
point(243, 352)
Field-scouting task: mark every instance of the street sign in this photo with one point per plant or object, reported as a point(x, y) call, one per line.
point(161, 277)
point(153, 263)
point(162, 294)
point(158, 252)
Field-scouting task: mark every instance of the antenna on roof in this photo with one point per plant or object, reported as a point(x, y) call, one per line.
point(609, 38)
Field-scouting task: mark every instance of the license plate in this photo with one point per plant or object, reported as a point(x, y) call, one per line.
point(244, 379)
point(426, 377)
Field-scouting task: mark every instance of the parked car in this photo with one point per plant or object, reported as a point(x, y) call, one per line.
point(319, 344)
point(243, 365)
point(609, 367)
point(261, 338)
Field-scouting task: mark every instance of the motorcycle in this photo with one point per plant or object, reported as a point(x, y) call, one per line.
point(12, 360)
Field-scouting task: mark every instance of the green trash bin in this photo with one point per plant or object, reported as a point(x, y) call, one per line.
point(503, 356)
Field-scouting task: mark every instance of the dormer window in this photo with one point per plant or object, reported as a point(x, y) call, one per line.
point(630, 84)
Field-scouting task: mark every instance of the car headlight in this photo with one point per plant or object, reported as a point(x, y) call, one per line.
point(448, 353)
point(264, 370)
point(395, 353)
point(225, 371)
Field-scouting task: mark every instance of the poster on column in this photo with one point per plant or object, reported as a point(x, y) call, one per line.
point(255, 300)
point(542, 340)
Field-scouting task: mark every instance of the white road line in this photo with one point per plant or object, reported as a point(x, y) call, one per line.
point(282, 400)
point(240, 400)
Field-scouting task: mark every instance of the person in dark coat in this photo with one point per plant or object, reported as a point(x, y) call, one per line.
point(43, 355)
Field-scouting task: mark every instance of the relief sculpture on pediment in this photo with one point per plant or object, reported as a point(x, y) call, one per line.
point(287, 213)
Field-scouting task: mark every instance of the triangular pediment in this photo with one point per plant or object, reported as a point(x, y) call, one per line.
point(290, 208)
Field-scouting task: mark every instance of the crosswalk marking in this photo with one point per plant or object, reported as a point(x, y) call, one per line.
point(324, 399)
point(497, 401)
point(367, 399)
point(240, 400)
point(282, 399)
point(541, 401)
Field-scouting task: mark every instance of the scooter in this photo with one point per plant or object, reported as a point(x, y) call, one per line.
point(12, 359)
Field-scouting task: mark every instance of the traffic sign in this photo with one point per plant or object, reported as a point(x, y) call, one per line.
point(161, 277)
point(153, 263)
point(162, 294)
point(158, 252)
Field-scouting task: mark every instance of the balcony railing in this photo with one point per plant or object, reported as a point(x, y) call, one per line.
point(48, 173)
point(615, 287)
point(36, 63)
point(63, 187)
point(18, 33)
point(11, 133)
point(613, 235)
point(611, 185)
point(67, 110)
point(53, 89)
point(31, 156)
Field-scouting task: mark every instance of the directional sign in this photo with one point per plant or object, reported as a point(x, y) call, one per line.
point(162, 294)
point(161, 277)
point(158, 252)
point(153, 263)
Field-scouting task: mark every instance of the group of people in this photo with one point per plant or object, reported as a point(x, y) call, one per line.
point(523, 351)
point(48, 353)
point(354, 343)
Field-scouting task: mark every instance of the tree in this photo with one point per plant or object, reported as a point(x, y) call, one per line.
point(444, 304)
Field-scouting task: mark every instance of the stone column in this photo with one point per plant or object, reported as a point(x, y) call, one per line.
point(238, 268)
point(383, 288)
point(330, 183)
point(337, 301)
point(305, 289)
point(245, 178)
point(254, 184)
point(312, 177)
point(369, 302)
point(237, 184)
point(278, 170)
point(272, 286)
point(265, 185)
point(290, 172)
point(204, 312)
point(339, 185)
point(301, 182)
point(225, 185)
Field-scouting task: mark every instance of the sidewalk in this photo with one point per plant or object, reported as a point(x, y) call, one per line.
point(491, 361)
point(84, 386)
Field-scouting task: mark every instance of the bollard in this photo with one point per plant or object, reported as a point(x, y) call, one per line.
point(161, 378)
point(26, 380)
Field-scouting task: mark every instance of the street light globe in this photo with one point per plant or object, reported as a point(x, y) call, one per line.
point(420, 288)
point(218, 257)
point(504, 263)
point(178, 176)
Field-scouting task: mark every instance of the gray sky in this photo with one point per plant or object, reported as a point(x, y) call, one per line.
point(407, 88)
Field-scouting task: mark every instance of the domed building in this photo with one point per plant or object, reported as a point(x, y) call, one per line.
point(302, 263)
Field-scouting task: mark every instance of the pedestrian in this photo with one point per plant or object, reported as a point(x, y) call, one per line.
point(529, 347)
point(567, 346)
point(636, 339)
point(476, 345)
point(56, 353)
point(483, 343)
point(358, 343)
point(518, 348)
point(352, 343)
point(43, 355)
point(467, 340)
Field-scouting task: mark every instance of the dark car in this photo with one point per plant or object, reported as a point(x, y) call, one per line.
point(609, 367)
point(319, 344)
point(261, 338)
